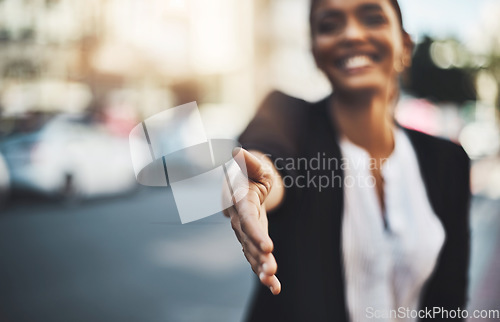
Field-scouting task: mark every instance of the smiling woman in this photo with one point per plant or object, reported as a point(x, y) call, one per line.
point(338, 251)
point(359, 46)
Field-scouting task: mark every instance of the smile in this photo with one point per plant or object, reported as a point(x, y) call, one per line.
point(353, 62)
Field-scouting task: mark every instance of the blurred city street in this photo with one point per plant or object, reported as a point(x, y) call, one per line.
point(80, 241)
point(485, 263)
point(118, 259)
point(130, 259)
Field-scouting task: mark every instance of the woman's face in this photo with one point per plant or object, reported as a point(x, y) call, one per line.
point(359, 44)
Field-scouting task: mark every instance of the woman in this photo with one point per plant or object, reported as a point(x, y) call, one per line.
point(390, 243)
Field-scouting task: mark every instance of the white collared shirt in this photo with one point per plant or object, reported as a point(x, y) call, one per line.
point(385, 268)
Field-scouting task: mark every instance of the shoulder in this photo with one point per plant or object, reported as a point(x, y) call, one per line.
point(278, 125)
point(283, 106)
point(280, 97)
point(437, 150)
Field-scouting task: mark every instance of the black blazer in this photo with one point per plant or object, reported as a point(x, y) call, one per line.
point(306, 229)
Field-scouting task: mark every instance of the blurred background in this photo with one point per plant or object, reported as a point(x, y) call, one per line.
point(80, 241)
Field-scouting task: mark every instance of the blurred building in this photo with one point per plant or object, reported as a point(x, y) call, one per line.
point(128, 56)
point(125, 60)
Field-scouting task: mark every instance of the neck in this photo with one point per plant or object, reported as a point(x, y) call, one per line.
point(366, 121)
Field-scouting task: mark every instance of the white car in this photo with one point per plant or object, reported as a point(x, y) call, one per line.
point(4, 181)
point(68, 156)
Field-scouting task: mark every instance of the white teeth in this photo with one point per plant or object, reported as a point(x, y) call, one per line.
point(357, 61)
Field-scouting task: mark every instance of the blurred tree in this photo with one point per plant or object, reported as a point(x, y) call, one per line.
point(494, 68)
point(439, 83)
point(487, 44)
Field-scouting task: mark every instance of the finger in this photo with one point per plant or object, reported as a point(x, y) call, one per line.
point(247, 240)
point(252, 255)
point(254, 167)
point(265, 271)
point(226, 212)
point(248, 248)
point(253, 229)
point(265, 261)
point(271, 282)
point(268, 264)
point(254, 264)
point(226, 195)
point(253, 221)
point(235, 225)
point(231, 211)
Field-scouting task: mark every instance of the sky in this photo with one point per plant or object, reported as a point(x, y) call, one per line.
point(443, 18)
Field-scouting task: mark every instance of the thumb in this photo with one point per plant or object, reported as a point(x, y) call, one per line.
point(246, 160)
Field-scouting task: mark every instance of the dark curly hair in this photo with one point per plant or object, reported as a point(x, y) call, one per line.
point(394, 3)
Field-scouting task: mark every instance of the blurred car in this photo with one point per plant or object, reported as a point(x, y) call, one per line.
point(66, 155)
point(4, 181)
point(481, 139)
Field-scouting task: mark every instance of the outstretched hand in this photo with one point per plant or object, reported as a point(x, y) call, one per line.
point(249, 215)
